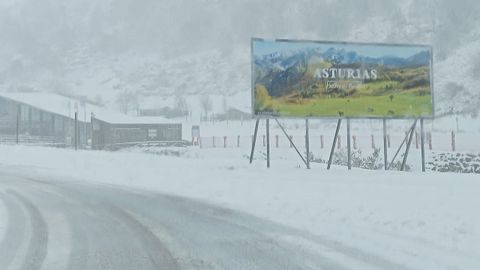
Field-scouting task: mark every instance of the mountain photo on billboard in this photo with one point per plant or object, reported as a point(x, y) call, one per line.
point(328, 79)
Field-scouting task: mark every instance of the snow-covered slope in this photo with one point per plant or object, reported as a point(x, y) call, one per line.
point(154, 50)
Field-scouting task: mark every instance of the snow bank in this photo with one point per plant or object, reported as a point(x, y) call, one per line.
point(426, 221)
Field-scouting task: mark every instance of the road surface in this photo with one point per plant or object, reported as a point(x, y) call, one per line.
point(77, 225)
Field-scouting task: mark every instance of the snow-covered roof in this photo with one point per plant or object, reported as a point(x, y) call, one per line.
point(66, 107)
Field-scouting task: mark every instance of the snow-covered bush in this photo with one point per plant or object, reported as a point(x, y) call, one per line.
point(374, 161)
point(455, 162)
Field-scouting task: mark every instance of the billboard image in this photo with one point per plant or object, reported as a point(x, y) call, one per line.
point(332, 79)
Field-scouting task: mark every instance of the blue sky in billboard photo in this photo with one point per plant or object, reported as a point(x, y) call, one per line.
point(265, 47)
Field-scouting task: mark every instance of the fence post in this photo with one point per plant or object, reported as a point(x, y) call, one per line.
point(18, 123)
point(416, 140)
point(373, 141)
point(354, 138)
point(76, 131)
point(429, 138)
point(339, 142)
point(453, 141)
point(321, 141)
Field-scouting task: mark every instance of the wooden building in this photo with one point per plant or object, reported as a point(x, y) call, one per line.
point(48, 119)
point(23, 122)
point(108, 135)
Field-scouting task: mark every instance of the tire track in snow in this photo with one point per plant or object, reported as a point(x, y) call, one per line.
point(15, 232)
point(252, 223)
point(145, 249)
point(37, 249)
point(159, 256)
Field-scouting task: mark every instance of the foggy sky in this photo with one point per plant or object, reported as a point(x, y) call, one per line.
point(38, 36)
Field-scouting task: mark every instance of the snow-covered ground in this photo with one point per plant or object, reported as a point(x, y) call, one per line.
point(4, 220)
point(466, 137)
point(426, 221)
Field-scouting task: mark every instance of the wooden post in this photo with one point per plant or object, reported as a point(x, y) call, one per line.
point(429, 138)
point(453, 141)
point(92, 132)
point(18, 124)
point(76, 131)
point(321, 141)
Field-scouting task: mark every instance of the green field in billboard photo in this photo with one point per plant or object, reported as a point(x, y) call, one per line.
point(324, 79)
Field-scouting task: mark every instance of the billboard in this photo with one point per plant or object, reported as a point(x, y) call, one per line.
point(293, 78)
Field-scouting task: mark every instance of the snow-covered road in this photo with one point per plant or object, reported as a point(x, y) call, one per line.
point(354, 219)
point(55, 225)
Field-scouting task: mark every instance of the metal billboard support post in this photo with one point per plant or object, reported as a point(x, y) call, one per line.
point(385, 145)
point(349, 149)
point(254, 140)
point(401, 145)
point(268, 142)
point(307, 142)
point(332, 151)
point(291, 142)
point(422, 142)
point(405, 156)
point(92, 131)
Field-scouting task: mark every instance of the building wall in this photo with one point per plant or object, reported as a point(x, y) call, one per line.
point(8, 117)
point(106, 134)
point(35, 125)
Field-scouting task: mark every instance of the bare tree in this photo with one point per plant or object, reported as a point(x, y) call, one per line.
point(128, 101)
point(224, 104)
point(206, 104)
point(181, 103)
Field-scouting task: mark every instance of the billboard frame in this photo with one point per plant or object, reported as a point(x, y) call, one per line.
point(331, 117)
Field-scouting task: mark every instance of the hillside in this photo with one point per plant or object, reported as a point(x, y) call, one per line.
point(110, 51)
